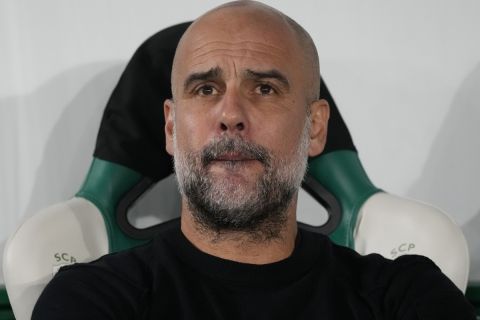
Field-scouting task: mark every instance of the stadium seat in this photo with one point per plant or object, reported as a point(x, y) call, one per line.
point(130, 160)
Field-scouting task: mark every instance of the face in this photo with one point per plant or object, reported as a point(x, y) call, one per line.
point(238, 127)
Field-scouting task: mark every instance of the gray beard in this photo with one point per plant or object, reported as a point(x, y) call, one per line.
point(220, 206)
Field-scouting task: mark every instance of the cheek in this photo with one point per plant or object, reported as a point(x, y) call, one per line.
point(191, 132)
point(284, 137)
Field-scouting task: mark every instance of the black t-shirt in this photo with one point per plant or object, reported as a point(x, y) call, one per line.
point(171, 279)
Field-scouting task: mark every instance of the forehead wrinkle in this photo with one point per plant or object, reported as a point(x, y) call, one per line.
point(242, 48)
point(200, 64)
point(241, 54)
point(245, 43)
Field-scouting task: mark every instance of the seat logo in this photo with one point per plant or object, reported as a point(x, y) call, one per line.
point(402, 249)
point(62, 259)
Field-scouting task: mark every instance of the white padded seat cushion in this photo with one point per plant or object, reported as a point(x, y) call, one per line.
point(393, 226)
point(72, 231)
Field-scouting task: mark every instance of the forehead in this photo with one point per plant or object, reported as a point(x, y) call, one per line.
point(243, 53)
point(246, 40)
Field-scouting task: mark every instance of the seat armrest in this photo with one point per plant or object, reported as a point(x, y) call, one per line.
point(65, 233)
point(394, 226)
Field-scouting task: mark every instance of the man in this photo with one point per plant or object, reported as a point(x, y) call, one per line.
point(244, 117)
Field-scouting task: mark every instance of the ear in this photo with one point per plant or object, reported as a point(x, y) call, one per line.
point(168, 111)
point(319, 114)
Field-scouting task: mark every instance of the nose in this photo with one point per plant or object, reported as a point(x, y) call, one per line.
point(233, 117)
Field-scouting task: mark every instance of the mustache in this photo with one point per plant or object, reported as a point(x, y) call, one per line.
point(237, 145)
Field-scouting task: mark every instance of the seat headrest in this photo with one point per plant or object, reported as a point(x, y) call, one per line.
point(132, 128)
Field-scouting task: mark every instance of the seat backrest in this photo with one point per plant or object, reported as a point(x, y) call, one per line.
point(129, 159)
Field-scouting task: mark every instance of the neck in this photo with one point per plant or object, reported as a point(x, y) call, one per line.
point(240, 246)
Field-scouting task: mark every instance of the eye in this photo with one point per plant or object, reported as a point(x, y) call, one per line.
point(264, 89)
point(206, 90)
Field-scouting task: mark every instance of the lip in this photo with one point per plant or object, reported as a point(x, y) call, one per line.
point(233, 157)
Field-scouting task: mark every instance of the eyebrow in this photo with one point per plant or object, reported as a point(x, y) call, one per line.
point(213, 73)
point(216, 72)
point(269, 74)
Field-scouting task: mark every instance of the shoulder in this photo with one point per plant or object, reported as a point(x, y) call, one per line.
point(113, 285)
point(409, 287)
point(134, 265)
point(372, 274)
point(377, 270)
point(118, 284)
point(347, 263)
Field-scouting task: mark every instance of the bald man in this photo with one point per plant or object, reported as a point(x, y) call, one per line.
point(244, 117)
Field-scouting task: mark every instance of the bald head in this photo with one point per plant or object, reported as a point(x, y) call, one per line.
point(237, 20)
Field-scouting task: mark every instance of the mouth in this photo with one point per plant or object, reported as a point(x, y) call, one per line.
point(234, 154)
point(233, 157)
point(233, 160)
